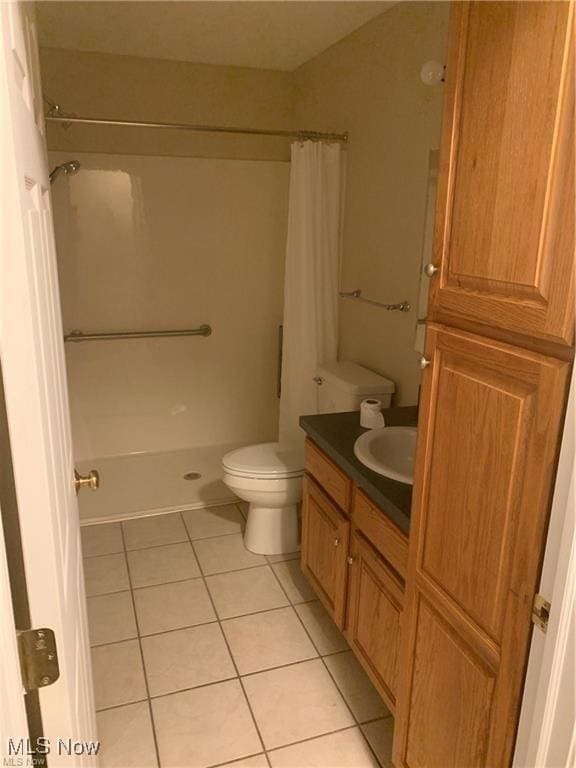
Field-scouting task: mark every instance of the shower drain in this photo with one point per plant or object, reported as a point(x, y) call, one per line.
point(192, 476)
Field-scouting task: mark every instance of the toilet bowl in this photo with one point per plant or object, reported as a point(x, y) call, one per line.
point(269, 477)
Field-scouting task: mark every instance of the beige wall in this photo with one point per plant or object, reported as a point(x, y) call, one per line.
point(150, 236)
point(131, 88)
point(369, 84)
point(160, 242)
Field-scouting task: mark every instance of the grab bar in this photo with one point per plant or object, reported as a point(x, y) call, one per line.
point(76, 336)
point(403, 306)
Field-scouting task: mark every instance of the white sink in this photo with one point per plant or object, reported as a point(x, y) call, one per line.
point(388, 451)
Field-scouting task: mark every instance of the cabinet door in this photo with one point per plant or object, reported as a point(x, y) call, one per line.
point(376, 596)
point(489, 426)
point(325, 541)
point(504, 239)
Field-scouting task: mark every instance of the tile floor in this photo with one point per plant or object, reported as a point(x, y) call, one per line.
point(205, 654)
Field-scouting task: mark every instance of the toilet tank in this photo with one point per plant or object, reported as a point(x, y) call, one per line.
point(343, 385)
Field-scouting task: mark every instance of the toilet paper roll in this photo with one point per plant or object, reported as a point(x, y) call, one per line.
point(371, 416)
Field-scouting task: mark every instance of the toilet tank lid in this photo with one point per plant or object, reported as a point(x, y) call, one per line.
point(355, 379)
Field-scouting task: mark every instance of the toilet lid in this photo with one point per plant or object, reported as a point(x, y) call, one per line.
point(266, 460)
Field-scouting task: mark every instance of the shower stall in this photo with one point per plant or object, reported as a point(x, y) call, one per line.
point(171, 274)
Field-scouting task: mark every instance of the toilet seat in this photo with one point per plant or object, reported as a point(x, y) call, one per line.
point(268, 461)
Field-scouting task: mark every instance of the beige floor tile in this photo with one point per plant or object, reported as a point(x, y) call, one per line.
point(111, 618)
point(294, 582)
point(225, 553)
point(242, 592)
point(126, 737)
point(355, 686)
point(213, 521)
point(267, 640)
point(159, 565)
point(380, 734)
point(105, 574)
point(324, 633)
point(173, 606)
point(186, 658)
point(154, 531)
point(101, 539)
point(282, 558)
point(118, 674)
point(295, 703)
point(205, 726)
point(258, 761)
point(345, 749)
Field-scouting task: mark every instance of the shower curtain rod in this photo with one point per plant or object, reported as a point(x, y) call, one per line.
point(312, 135)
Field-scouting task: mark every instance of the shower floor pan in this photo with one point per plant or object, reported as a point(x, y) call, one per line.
point(140, 484)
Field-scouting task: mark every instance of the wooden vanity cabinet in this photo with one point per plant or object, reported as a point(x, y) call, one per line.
point(355, 558)
point(325, 546)
point(375, 604)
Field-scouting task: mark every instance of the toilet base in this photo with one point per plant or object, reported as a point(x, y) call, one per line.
point(272, 530)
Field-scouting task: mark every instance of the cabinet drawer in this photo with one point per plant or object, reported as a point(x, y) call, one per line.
point(381, 532)
point(335, 482)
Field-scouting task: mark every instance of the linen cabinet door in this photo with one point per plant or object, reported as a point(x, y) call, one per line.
point(489, 426)
point(325, 541)
point(376, 597)
point(504, 239)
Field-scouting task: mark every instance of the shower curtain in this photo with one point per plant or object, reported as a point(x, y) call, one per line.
point(311, 278)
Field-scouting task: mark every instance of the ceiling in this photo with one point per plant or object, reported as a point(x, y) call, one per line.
point(268, 35)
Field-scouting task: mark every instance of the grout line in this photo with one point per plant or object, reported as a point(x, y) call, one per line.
point(257, 728)
point(187, 540)
point(144, 672)
point(320, 736)
point(357, 724)
point(239, 677)
point(238, 760)
point(193, 688)
point(120, 706)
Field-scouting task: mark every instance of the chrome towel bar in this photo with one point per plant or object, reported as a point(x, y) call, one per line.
point(403, 306)
point(76, 336)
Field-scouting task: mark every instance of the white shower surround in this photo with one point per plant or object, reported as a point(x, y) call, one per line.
point(311, 277)
point(157, 242)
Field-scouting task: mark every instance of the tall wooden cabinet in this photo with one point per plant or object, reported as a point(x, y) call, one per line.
point(499, 352)
point(504, 234)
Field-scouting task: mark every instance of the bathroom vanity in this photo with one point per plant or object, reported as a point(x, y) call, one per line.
point(355, 528)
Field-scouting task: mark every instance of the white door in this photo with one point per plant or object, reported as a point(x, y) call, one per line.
point(547, 729)
point(32, 354)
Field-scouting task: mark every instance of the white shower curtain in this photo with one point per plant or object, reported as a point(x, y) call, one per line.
point(311, 278)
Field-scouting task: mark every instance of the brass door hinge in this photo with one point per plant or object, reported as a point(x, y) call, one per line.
point(541, 612)
point(38, 658)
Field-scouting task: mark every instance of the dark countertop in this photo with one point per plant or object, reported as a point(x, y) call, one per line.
point(336, 434)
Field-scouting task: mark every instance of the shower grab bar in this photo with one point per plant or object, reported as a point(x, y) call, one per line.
point(76, 336)
point(403, 306)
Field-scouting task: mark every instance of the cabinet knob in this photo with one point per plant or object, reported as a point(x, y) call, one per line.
point(350, 560)
point(430, 270)
point(336, 542)
point(424, 362)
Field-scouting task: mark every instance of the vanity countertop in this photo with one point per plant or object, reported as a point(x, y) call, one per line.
point(336, 433)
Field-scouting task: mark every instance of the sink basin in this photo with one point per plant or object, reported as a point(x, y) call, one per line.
point(389, 451)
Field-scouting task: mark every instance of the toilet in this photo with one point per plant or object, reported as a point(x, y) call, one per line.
point(269, 475)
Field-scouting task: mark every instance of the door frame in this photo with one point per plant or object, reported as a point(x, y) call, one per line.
point(547, 731)
point(13, 721)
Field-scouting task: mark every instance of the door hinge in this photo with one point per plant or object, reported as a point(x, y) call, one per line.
point(38, 658)
point(541, 612)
